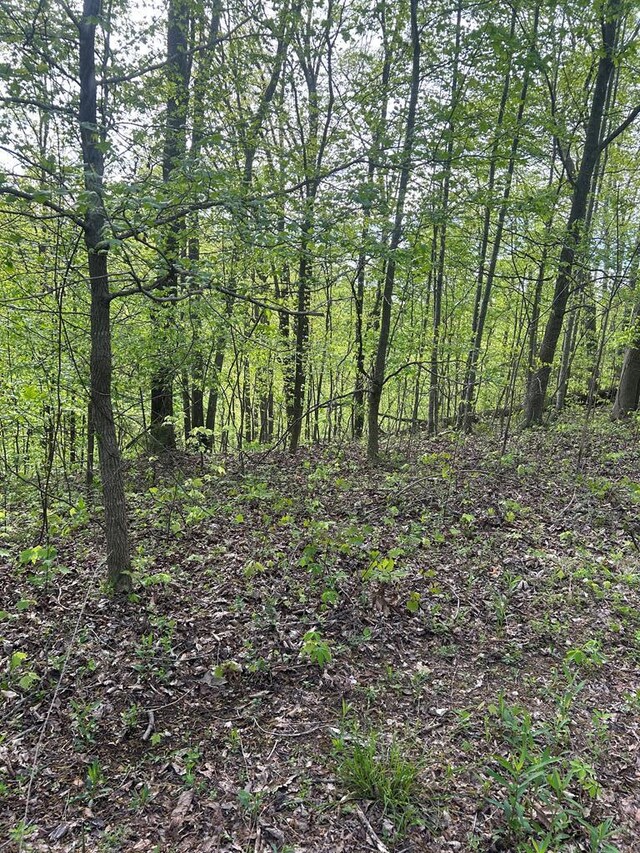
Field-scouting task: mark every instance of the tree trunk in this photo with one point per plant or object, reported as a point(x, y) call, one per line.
point(301, 329)
point(485, 286)
point(379, 366)
point(628, 394)
point(178, 72)
point(115, 508)
point(440, 239)
point(358, 293)
point(201, 81)
point(90, 447)
point(539, 381)
point(565, 364)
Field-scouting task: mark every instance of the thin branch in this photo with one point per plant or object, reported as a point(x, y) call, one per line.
point(209, 204)
point(33, 199)
point(41, 105)
point(219, 288)
point(620, 128)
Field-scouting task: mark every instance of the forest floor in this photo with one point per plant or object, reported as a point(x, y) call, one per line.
point(439, 653)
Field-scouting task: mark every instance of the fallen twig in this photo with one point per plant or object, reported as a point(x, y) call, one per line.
point(151, 725)
point(380, 847)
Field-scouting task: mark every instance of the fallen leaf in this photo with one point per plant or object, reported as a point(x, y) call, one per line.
point(180, 811)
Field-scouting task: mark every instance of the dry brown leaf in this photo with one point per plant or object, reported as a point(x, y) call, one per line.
point(180, 811)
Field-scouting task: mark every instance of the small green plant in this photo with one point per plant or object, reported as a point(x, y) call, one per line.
point(500, 605)
point(235, 740)
point(315, 648)
point(330, 597)
point(42, 563)
point(140, 797)
point(84, 722)
point(309, 560)
point(386, 774)
point(540, 791)
point(250, 801)
point(191, 760)
point(587, 656)
point(78, 516)
point(154, 650)
point(632, 701)
point(20, 672)
point(383, 568)
point(130, 718)
point(253, 568)
point(413, 602)
point(95, 776)
point(21, 832)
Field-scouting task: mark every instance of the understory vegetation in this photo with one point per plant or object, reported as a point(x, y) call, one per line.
point(319, 426)
point(437, 653)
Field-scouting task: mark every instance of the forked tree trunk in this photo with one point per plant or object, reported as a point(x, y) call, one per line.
point(539, 380)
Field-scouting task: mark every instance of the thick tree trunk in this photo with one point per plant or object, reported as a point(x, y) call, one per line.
point(539, 381)
point(628, 394)
point(115, 508)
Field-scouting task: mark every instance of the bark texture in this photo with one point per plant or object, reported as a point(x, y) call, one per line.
point(111, 471)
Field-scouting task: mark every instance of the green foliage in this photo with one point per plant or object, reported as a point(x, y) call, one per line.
point(42, 563)
point(95, 777)
point(20, 673)
point(316, 648)
point(540, 792)
point(413, 602)
point(370, 769)
point(587, 656)
point(383, 568)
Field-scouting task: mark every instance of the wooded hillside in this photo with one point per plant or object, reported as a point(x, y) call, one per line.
point(388, 252)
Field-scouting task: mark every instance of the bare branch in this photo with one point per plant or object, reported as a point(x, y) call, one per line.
point(620, 128)
point(34, 199)
point(219, 288)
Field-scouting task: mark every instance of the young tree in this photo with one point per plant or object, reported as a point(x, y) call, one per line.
point(94, 226)
point(487, 274)
point(177, 73)
point(378, 370)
